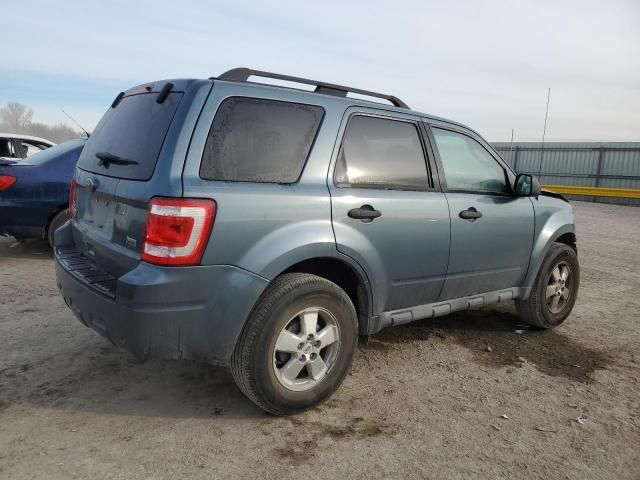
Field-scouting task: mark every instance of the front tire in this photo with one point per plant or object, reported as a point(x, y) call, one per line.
point(555, 289)
point(297, 345)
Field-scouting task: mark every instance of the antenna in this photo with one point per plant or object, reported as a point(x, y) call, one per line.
point(79, 126)
point(544, 132)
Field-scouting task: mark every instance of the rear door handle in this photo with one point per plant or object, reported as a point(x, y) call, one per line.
point(366, 213)
point(470, 214)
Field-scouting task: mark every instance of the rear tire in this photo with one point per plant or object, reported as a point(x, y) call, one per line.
point(57, 221)
point(297, 345)
point(555, 289)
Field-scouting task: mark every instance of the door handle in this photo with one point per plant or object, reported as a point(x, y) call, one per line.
point(366, 213)
point(470, 214)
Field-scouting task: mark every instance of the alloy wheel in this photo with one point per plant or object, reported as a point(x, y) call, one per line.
point(559, 287)
point(306, 349)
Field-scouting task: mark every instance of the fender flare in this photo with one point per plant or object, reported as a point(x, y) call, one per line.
point(539, 252)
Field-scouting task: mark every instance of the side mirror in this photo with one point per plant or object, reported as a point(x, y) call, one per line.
point(527, 186)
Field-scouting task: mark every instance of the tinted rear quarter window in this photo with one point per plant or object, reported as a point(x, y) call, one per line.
point(135, 130)
point(381, 153)
point(257, 140)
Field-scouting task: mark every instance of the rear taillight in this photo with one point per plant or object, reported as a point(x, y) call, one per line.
point(6, 181)
point(177, 230)
point(72, 199)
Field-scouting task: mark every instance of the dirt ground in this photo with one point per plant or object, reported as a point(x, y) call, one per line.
point(426, 400)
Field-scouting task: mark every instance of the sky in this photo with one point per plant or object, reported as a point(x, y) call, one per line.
point(487, 64)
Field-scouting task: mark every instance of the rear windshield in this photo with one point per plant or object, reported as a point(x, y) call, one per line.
point(133, 130)
point(257, 140)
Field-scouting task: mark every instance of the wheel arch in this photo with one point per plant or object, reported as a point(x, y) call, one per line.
point(57, 210)
point(564, 233)
point(569, 239)
point(348, 276)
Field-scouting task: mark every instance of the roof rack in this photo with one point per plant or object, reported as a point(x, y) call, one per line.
point(242, 75)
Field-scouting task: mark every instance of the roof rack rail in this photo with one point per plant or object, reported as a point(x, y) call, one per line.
point(242, 75)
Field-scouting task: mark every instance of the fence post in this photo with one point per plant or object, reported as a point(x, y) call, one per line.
point(599, 170)
point(515, 159)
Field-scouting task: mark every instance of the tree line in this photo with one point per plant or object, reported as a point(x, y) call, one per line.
point(17, 118)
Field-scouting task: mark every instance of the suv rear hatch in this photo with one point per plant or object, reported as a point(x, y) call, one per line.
point(136, 152)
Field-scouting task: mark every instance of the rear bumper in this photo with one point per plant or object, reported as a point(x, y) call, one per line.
point(177, 313)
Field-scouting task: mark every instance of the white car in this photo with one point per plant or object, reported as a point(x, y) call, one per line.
point(14, 145)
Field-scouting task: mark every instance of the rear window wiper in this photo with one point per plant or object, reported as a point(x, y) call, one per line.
point(106, 158)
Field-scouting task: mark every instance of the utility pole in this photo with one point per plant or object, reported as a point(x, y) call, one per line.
point(511, 144)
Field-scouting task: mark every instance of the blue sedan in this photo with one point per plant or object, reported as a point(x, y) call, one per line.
point(34, 192)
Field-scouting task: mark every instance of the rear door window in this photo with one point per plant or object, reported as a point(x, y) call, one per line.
point(134, 130)
point(257, 140)
point(381, 153)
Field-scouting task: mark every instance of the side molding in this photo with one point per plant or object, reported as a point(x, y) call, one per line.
point(438, 309)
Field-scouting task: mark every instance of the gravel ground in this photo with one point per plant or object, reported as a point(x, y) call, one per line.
point(426, 400)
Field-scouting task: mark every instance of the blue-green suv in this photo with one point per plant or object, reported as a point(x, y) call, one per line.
point(266, 228)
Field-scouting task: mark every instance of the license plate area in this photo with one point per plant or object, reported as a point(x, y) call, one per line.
point(96, 203)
